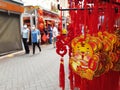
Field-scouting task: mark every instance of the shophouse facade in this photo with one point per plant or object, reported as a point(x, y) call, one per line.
point(10, 34)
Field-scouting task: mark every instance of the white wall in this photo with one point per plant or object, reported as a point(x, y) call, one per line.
point(64, 5)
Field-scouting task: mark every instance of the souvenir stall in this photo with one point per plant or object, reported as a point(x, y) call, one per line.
point(45, 18)
point(93, 42)
point(40, 17)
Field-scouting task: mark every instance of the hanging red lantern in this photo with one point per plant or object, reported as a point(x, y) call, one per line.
point(40, 11)
point(41, 26)
point(40, 19)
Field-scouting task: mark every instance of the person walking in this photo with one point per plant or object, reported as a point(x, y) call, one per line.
point(50, 33)
point(55, 34)
point(36, 38)
point(25, 38)
point(64, 30)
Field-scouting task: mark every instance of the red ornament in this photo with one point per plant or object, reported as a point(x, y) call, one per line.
point(40, 11)
point(40, 19)
point(90, 17)
point(61, 51)
point(41, 26)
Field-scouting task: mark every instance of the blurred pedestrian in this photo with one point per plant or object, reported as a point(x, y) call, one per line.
point(64, 30)
point(50, 33)
point(25, 38)
point(36, 38)
point(55, 34)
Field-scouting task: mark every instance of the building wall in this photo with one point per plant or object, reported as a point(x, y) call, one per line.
point(10, 35)
point(64, 5)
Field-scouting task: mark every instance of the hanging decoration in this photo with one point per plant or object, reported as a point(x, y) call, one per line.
point(94, 55)
point(40, 19)
point(61, 50)
point(93, 42)
point(40, 11)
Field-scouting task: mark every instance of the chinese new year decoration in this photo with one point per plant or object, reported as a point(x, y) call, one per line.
point(93, 45)
point(40, 19)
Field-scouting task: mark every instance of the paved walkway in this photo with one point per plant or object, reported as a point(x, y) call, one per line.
point(32, 72)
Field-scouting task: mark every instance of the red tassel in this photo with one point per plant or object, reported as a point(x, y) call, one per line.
point(71, 78)
point(62, 74)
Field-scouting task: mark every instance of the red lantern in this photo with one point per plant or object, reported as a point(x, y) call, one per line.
point(40, 11)
point(41, 26)
point(40, 19)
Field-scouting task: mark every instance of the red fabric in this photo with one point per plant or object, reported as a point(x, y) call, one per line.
point(71, 78)
point(108, 81)
point(85, 18)
point(62, 74)
point(77, 80)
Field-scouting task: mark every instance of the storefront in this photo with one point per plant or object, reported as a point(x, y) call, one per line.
point(34, 15)
point(10, 34)
point(50, 18)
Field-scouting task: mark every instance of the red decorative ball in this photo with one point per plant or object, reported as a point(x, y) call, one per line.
point(40, 11)
point(40, 19)
point(41, 26)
